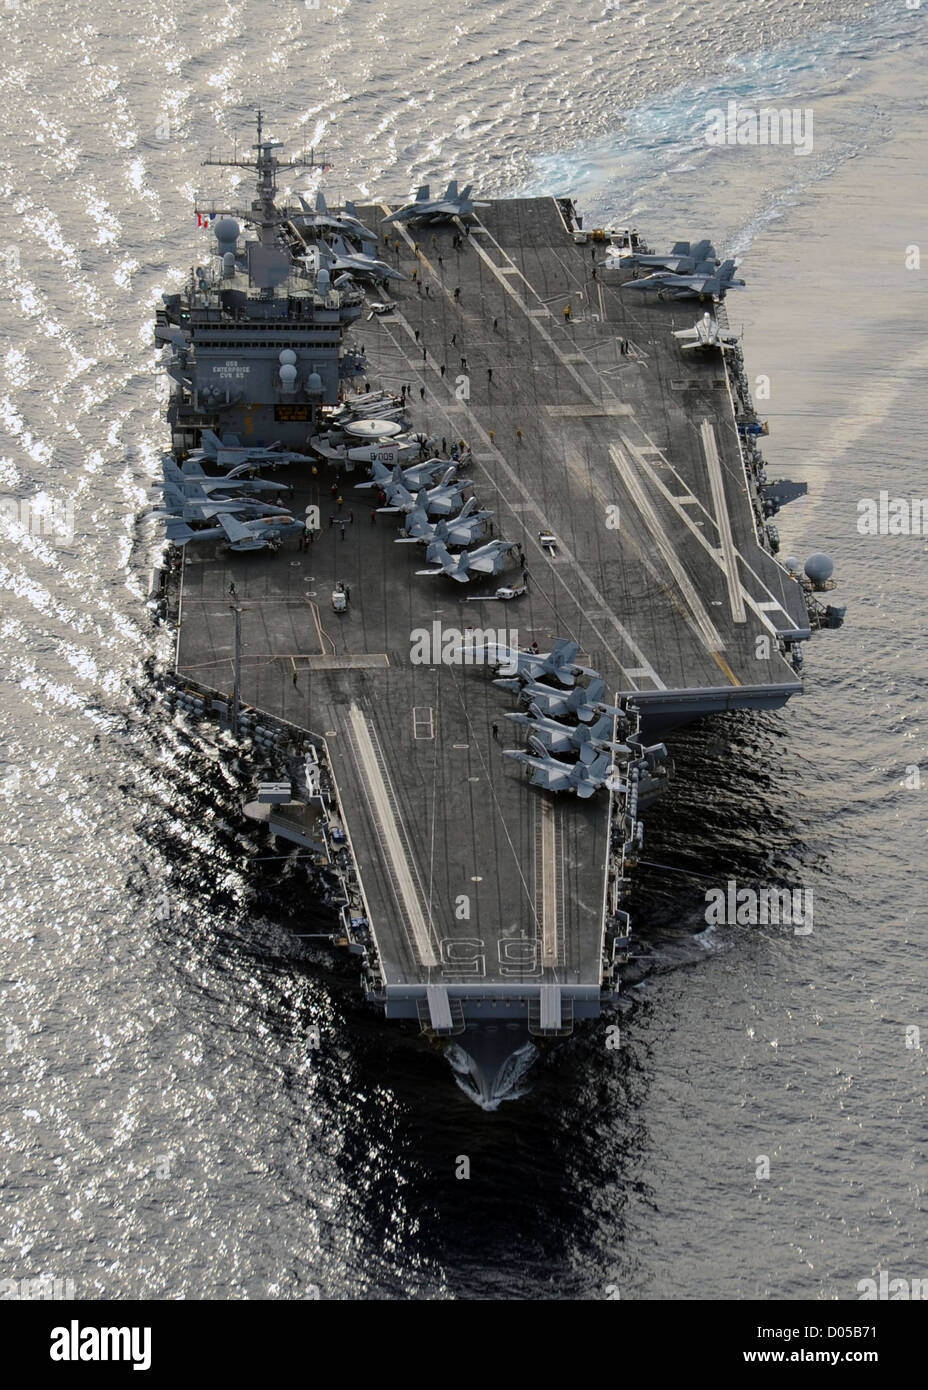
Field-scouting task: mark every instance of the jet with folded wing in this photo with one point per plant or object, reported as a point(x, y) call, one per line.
point(265, 533)
point(491, 558)
point(559, 664)
point(463, 529)
point(556, 737)
point(582, 777)
point(416, 475)
point(707, 335)
point(582, 702)
point(441, 500)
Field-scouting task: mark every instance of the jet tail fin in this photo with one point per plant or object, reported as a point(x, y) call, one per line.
point(210, 443)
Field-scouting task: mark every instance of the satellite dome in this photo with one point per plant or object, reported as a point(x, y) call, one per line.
point(228, 263)
point(819, 568)
point(288, 357)
point(288, 377)
point(323, 281)
point(226, 230)
point(314, 386)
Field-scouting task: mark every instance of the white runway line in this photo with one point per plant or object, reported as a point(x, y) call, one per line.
point(401, 867)
point(723, 521)
point(707, 629)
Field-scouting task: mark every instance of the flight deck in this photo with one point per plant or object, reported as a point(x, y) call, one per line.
point(586, 422)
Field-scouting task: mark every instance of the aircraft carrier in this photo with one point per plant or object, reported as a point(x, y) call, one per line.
point(624, 578)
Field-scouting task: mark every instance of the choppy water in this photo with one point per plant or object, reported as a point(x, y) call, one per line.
point(168, 1130)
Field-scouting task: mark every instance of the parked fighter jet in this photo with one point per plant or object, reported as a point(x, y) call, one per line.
point(322, 219)
point(555, 737)
point(230, 452)
point(583, 703)
point(706, 334)
point(441, 500)
point(194, 482)
point(486, 559)
point(684, 259)
point(265, 533)
point(713, 281)
point(177, 504)
point(463, 529)
point(338, 258)
point(415, 476)
point(581, 777)
point(428, 209)
point(558, 664)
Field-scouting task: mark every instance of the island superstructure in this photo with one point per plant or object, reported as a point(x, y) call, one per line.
point(479, 367)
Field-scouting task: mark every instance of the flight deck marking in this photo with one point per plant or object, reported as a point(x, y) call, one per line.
point(374, 779)
point(707, 629)
point(723, 521)
point(549, 899)
point(710, 549)
point(423, 722)
point(531, 506)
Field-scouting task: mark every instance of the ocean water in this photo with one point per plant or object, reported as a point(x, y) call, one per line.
point(169, 1130)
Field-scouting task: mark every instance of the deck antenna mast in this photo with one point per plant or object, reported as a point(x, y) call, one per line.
point(264, 213)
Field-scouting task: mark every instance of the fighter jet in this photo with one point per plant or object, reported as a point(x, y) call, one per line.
point(558, 664)
point(194, 482)
point(339, 258)
point(265, 533)
point(711, 282)
point(486, 559)
point(463, 529)
point(583, 777)
point(322, 219)
point(415, 476)
point(428, 209)
point(230, 453)
point(441, 500)
point(684, 259)
point(583, 703)
point(706, 334)
point(177, 504)
point(555, 737)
